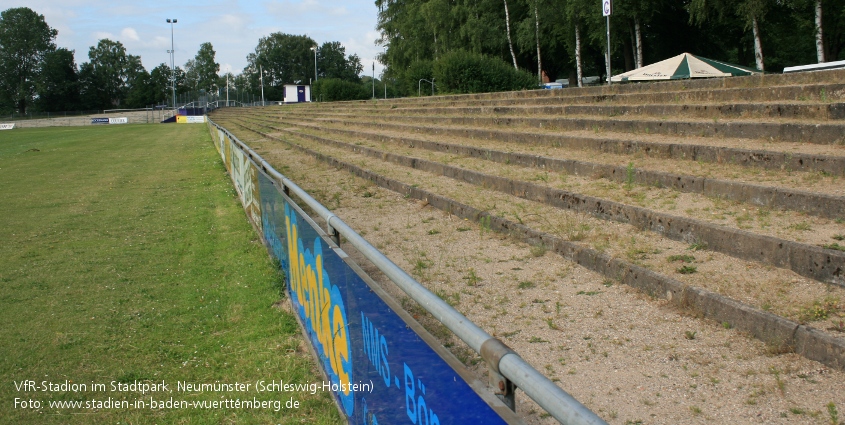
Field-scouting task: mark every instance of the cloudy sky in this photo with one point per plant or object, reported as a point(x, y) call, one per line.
point(232, 27)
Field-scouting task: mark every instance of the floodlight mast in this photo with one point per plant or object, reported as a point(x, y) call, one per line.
point(261, 75)
point(172, 62)
point(315, 62)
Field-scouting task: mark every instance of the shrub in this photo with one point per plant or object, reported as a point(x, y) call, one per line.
point(333, 89)
point(465, 72)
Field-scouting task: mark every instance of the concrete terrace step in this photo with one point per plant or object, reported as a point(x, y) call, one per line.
point(818, 204)
point(713, 84)
point(768, 327)
point(799, 131)
point(787, 111)
point(814, 262)
point(619, 144)
point(807, 94)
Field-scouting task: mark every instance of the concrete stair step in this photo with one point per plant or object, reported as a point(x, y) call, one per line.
point(755, 110)
point(793, 130)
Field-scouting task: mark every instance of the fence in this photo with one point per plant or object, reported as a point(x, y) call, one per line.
point(134, 117)
point(361, 336)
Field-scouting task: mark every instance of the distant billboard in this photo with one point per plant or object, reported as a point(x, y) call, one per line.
point(7, 126)
point(122, 120)
point(190, 119)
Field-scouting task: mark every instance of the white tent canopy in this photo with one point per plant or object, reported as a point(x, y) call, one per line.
point(684, 66)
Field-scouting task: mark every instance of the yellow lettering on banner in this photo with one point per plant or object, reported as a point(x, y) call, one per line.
point(340, 347)
point(321, 307)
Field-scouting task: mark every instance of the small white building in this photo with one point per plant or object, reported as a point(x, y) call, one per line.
point(295, 93)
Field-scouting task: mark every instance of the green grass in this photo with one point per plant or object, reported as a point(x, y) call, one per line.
point(126, 256)
point(681, 258)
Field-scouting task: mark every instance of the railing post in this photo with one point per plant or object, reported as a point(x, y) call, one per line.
point(492, 352)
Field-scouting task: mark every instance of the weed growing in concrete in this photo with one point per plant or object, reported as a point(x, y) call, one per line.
point(630, 173)
point(698, 245)
point(780, 384)
point(802, 226)
point(834, 246)
point(538, 250)
point(834, 415)
point(681, 257)
point(472, 278)
point(687, 270)
point(526, 284)
point(820, 310)
point(485, 224)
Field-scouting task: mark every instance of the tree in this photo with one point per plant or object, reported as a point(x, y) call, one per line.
point(25, 38)
point(819, 32)
point(751, 11)
point(57, 85)
point(284, 58)
point(203, 69)
point(510, 41)
point(333, 62)
point(160, 83)
point(108, 76)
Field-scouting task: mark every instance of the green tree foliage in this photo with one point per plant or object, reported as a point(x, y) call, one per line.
point(109, 75)
point(201, 71)
point(332, 62)
point(57, 85)
point(289, 59)
point(463, 72)
point(25, 39)
point(334, 89)
point(642, 31)
point(160, 83)
point(285, 59)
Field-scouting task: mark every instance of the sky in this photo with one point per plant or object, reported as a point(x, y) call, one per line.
point(232, 27)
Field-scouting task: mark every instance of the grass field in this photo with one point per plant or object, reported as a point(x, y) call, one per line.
point(126, 257)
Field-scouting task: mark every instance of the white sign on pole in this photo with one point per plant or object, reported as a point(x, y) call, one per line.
point(606, 8)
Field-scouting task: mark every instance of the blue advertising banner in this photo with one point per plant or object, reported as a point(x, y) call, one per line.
point(381, 370)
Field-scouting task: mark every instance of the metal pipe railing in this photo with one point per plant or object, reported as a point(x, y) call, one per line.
point(557, 402)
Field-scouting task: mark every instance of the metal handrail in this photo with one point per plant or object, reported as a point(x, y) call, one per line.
point(557, 402)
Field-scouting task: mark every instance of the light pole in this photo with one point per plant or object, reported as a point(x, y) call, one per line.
point(261, 70)
point(315, 62)
point(384, 80)
point(172, 62)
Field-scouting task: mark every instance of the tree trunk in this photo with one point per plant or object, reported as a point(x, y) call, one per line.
point(758, 45)
point(537, 36)
point(510, 42)
point(639, 36)
point(578, 71)
point(819, 38)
